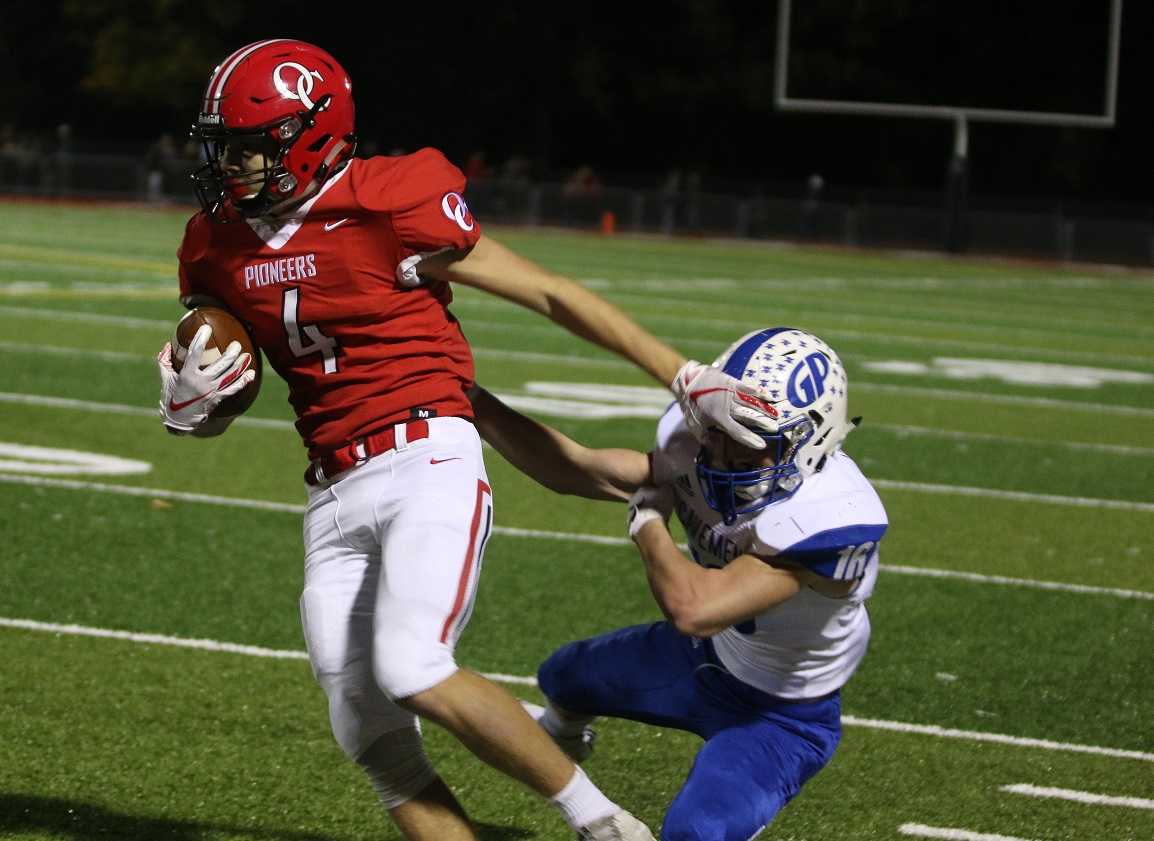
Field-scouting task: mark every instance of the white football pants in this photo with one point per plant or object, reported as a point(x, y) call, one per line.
point(393, 552)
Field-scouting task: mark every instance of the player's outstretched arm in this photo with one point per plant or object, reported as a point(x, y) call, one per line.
point(707, 395)
point(492, 267)
point(552, 458)
point(698, 601)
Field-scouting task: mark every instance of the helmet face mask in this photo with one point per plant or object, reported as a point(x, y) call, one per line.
point(736, 487)
point(804, 380)
point(288, 102)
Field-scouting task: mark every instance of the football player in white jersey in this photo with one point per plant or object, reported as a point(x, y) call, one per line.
point(764, 623)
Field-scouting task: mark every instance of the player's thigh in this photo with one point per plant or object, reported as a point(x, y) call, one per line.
point(337, 606)
point(434, 528)
point(744, 775)
point(645, 673)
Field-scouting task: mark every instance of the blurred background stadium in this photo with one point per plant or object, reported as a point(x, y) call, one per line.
point(660, 115)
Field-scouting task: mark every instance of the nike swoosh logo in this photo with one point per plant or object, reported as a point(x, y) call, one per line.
point(443, 460)
point(333, 225)
point(184, 404)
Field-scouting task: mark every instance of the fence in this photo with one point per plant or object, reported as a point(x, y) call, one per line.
point(1123, 235)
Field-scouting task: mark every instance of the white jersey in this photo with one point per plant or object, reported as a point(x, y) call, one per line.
point(809, 645)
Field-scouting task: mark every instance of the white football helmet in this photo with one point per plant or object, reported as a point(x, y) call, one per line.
point(801, 377)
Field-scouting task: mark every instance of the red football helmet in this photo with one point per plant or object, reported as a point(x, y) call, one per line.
point(285, 99)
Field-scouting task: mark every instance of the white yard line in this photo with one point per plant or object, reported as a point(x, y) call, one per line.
point(74, 352)
point(90, 317)
point(1079, 796)
point(1007, 399)
point(121, 409)
point(978, 578)
point(905, 430)
point(527, 680)
point(918, 830)
point(597, 539)
point(1013, 496)
point(653, 409)
point(996, 738)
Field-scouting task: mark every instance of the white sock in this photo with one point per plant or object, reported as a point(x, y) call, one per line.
point(562, 728)
point(582, 803)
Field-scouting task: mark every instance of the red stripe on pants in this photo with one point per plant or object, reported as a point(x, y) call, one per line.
point(467, 568)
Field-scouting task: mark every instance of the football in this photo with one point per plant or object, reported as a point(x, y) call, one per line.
point(226, 328)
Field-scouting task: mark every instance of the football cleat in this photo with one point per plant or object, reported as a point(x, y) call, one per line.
point(620, 826)
point(578, 748)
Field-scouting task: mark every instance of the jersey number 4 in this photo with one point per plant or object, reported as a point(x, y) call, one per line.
point(306, 339)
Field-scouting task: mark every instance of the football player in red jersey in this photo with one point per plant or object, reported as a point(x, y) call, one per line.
point(342, 269)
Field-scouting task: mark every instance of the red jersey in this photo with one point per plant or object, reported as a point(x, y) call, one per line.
point(333, 299)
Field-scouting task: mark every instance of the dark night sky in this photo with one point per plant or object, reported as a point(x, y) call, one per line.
point(635, 89)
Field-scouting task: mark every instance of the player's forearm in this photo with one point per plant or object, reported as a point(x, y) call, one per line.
point(595, 319)
point(702, 602)
point(553, 459)
point(674, 579)
point(493, 268)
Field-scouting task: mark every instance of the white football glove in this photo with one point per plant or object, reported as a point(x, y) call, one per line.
point(187, 398)
point(649, 503)
point(710, 397)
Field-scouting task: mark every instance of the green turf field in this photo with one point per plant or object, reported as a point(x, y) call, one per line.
point(1009, 425)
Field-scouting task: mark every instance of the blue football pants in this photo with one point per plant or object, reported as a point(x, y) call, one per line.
point(758, 750)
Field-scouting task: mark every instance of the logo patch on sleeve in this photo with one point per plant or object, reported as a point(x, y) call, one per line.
point(455, 209)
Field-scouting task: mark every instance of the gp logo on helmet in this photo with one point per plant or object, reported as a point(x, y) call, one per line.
point(304, 82)
point(807, 380)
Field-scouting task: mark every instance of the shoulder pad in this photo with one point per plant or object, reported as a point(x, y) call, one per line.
point(832, 525)
point(842, 554)
point(400, 183)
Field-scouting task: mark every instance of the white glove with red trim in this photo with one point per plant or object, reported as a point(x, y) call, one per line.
point(710, 397)
point(189, 396)
point(649, 503)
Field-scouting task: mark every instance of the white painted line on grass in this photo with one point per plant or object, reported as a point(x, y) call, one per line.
point(646, 402)
point(601, 540)
point(152, 639)
point(1078, 796)
point(1015, 496)
point(918, 830)
point(200, 644)
point(73, 352)
point(527, 680)
point(997, 738)
point(930, 572)
point(1008, 399)
point(90, 317)
point(905, 430)
point(121, 409)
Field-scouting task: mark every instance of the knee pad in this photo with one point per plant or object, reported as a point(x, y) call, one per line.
point(405, 662)
point(397, 767)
